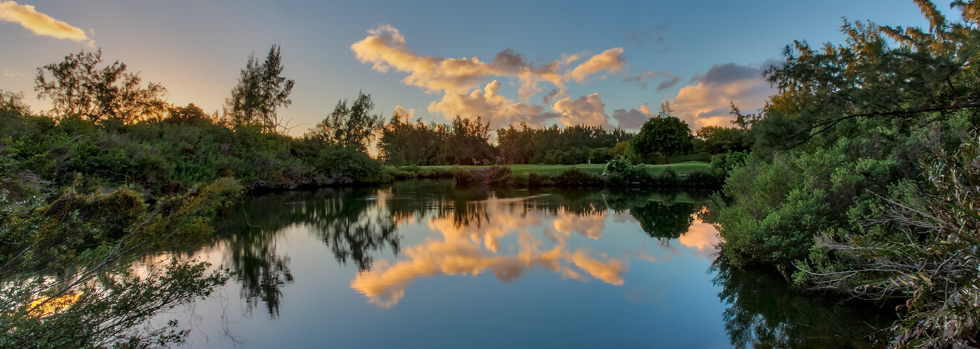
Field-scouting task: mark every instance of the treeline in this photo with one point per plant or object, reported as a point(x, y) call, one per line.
point(463, 142)
point(864, 172)
point(571, 145)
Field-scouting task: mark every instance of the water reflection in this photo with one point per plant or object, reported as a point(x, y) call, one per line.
point(764, 312)
point(358, 224)
point(399, 235)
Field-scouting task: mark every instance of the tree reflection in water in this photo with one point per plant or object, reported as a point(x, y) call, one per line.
point(358, 224)
point(764, 312)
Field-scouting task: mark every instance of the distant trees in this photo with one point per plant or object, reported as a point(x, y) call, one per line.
point(553, 145)
point(468, 142)
point(406, 143)
point(261, 90)
point(463, 142)
point(77, 86)
point(717, 139)
point(664, 135)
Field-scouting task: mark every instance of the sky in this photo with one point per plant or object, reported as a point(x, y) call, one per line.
point(562, 63)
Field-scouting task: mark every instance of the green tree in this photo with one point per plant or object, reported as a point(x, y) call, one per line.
point(77, 86)
point(469, 142)
point(664, 135)
point(719, 139)
point(350, 127)
point(261, 90)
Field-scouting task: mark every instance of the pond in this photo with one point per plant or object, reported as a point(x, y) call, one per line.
point(422, 264)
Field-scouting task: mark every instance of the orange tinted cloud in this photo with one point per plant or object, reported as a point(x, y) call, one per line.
point(40, 23)
point(709, 101)
point(487, 103)
point(701, 238)
point(586, 110)
point(385, 48)
point(385, 285)
point(610, 60)
point(590, 226)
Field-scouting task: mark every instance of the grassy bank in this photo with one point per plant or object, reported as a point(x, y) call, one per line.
point(681, 169)
point(616, 173)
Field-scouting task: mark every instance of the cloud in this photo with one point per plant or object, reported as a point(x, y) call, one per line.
point(551, 95)
point(590, 226)
point(610, 60)
point(385, 48)
point(492, 107)
point(701, 238)
point(401, 112)
point(40, 23)
point(632, 119)
point(641, 79)
point(668, 83)
point(637, 37)
point(709, 101)
point(586, 110)
point(385, 285)
point(13, 74)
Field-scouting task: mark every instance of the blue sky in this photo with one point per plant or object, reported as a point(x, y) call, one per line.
point(698, 55)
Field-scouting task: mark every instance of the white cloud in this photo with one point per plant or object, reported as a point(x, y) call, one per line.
point(40, 23)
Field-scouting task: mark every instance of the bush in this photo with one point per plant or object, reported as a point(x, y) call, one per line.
point(573, 176)
point(349, 166)
point(666, 178)
point(702, 178)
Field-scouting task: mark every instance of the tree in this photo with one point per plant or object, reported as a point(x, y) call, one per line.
point(260, 91)
point(719, 139)
point(468, 142)
point(77, 86)
point(13, 103)
point(350, 127)
point(664, 135)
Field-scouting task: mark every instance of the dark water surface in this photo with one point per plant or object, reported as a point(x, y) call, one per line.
point(425, 265)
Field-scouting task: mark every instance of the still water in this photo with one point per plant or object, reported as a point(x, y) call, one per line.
point(422, 264)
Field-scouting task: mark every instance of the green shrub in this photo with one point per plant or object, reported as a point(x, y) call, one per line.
point(349, 166)
point(702, 178)
point(573, 176)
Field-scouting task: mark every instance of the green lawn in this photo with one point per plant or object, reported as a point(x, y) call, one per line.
point(680, 168)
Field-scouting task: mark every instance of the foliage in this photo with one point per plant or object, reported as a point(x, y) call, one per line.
point(350, 127)
point(764, 312)
point(571, 145)
point(931, 259)
point(349, 166)
point(838, 148)
point(96, 300)
point(77, 86)
point(156, 157)
point(110, 312)
point(717, 139)
point(260, 91)
point(664, 135)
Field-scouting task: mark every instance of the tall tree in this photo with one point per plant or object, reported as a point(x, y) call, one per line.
point(350, 127)
point(261, 90)
point(77, 86)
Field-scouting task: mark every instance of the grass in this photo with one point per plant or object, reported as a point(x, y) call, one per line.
point(680, 168)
